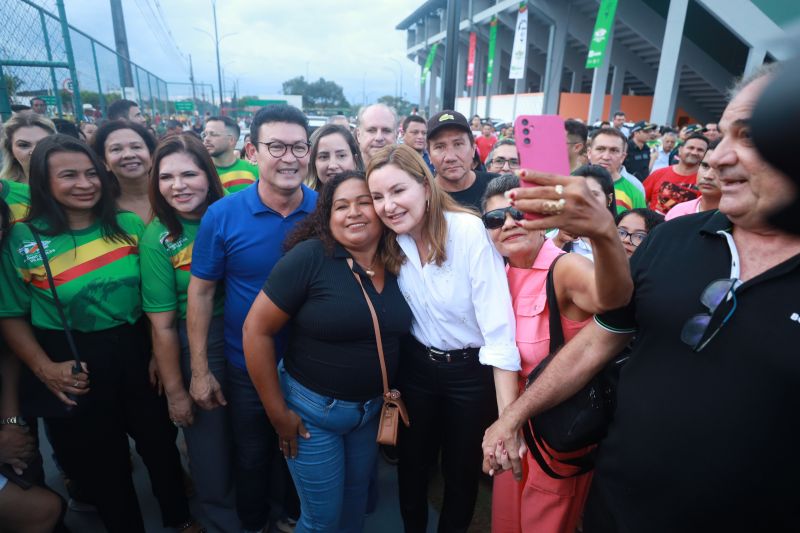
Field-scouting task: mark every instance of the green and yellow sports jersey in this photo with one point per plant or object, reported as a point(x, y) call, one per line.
point(628, 196)
point(17, 196)
point(166, 269)
point(238, 176)
point(97, 279)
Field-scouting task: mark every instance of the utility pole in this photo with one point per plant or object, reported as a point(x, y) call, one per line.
point(216, 44)
point(121, 42)
point(191, 79)
point(450, 55)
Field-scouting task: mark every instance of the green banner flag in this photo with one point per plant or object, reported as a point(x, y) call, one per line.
point(428, 63)
point(602, 31)
point(492, 43)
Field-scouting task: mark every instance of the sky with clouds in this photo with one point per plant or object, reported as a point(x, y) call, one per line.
point(266, 42)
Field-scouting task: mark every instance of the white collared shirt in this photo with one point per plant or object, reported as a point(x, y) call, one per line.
point(466, 301)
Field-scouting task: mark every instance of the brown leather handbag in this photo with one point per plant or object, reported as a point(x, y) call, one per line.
point(393, 409)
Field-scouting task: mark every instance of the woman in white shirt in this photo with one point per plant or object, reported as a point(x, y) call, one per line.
point(462, 346)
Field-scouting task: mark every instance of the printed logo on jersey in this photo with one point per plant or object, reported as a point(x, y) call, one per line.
point(31, 252)
point(170, 245)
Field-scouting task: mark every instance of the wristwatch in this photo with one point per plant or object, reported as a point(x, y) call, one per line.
point(13, 421)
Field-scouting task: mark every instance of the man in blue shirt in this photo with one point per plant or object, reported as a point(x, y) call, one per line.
point(239, 241)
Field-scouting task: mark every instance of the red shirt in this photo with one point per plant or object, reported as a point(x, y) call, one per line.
point(665, 188)
point(485, 145)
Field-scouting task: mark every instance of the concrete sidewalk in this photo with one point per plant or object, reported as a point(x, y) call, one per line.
point(385, 519)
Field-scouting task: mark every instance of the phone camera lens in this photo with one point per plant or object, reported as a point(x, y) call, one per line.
point(526, 141)
point(526, 131)
point(524, 121)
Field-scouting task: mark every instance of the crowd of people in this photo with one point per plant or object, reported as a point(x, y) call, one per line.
point(156, 285)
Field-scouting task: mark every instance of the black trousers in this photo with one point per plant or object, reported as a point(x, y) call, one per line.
point(449, 405)
point(92, 445)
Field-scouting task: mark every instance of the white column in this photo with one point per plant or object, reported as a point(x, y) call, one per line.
point(556, 48)
point(617, 81)
point(669, 67)
point(755, 58)
point(599, 82)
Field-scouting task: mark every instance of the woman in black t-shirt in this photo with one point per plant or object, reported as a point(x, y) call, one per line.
point(328, 387)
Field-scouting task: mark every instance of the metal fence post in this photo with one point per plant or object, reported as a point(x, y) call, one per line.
point(5, 101)
point(138, 85)
point(53, 80)
point(152, 102)
point(76, 89)
point(100, 96)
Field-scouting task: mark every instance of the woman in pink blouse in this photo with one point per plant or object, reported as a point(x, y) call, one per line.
point(540, 503)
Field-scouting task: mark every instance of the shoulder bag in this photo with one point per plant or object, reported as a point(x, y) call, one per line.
point(393, 407)
point(579, 421)
point(35, 398)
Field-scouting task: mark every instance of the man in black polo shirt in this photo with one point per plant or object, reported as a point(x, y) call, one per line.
point(637, 162)
point(705, 432)
point(451, 148)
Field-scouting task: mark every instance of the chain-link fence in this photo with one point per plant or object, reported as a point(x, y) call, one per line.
point(42, 56)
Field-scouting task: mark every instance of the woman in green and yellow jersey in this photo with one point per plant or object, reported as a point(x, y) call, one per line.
point(183, 183)
point(93, 255)
point(17, 197)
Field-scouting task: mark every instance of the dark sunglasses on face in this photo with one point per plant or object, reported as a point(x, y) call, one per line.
point(497, 217)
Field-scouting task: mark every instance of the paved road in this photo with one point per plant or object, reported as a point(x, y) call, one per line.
point(386, 518)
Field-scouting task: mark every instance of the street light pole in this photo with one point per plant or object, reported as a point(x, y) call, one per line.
point(216, 45)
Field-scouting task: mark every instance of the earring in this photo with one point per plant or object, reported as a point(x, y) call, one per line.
point(427, 205)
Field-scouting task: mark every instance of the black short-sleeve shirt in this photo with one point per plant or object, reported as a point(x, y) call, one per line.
point(332, 348)
point(637, 162)
point(704, 441)
point(472, 195)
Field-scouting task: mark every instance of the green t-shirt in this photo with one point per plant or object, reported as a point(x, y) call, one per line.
point(17, 196)
point(238, 176)
point(97, 279)
point(628, 196)
point(166, 269)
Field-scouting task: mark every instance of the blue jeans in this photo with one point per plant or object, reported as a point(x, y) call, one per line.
point(332, 469)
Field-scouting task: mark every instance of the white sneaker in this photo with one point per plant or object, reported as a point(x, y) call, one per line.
point(286, 525)
point(80, 507)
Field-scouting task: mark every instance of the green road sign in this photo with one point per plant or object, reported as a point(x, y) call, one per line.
point(262, 103)
point(50, 100)
point(184, 106)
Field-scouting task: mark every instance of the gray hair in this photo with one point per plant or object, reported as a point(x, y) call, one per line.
point(363, 110)
point(498, 187)
point(767, 69)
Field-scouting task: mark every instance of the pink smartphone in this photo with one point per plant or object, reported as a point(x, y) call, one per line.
point(542, 145)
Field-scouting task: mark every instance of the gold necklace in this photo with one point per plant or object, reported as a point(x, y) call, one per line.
point(369, 271)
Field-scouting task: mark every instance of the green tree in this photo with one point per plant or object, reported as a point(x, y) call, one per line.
point(318, 94)
point(402, 105)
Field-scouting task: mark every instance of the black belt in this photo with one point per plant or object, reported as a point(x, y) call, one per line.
point(448, 356)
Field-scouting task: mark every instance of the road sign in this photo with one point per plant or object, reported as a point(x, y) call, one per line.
point(184, 106)
point(50, 100)
point(67, 85)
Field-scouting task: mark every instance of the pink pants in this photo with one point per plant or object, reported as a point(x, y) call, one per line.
point(538, 503)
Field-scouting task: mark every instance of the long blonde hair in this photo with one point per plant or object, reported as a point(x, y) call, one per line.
point(11, 168)
point(434, 225)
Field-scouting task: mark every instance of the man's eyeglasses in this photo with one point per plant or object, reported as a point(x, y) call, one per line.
point(278, 149)
point(497, 217)
point(696, 328)
point(636, 238)
point(500, 162)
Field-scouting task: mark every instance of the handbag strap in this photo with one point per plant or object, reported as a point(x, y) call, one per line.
point(583, 463)
point(67, 330)
point(377, 328)
point(556, 330)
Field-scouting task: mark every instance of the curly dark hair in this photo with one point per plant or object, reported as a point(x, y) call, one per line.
point(317, 225)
